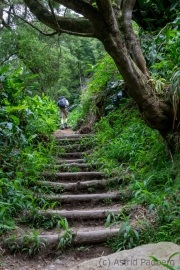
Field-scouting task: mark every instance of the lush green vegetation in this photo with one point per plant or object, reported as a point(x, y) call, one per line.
point(132, 154)
point(26, 125)
point(60, 64)
point(135, 157)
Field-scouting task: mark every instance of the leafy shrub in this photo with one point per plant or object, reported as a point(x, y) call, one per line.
point(25, 124)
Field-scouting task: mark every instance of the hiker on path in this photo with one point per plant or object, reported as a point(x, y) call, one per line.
point(63, 104)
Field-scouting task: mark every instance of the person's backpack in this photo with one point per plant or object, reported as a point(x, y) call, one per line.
point(62, 103)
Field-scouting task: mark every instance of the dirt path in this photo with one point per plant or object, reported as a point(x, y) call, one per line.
point(84, 202)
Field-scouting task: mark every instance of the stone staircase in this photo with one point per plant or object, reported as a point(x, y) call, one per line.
point(80, 192)
point(84, 197)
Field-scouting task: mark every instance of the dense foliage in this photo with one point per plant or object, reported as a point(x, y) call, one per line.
point(60, 64)
point(133, 154)
point(26, 125)
point(135, 157)
point(105, 89)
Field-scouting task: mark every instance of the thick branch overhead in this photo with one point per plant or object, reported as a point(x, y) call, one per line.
point(83, 8)
point(130, 37)
point(76, 26)
point(106, 9)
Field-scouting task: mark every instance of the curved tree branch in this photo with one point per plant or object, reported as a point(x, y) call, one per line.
point(4, 61)
point(1, 11)
point(33, 26)
point(83, 8)
point(117, 8)
point(130, 37)
point(73, 26)
point(105, 7)
point(66, 31)
point(54, 16)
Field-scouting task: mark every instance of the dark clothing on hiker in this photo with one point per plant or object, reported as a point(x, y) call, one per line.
point(63, 104)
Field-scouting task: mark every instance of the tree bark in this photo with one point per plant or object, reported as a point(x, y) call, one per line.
point(78, 214)
point(75, 186)
point(1, 11)
point(114, 30)
point(78, 238)
point(70, 25)
point(87, 197)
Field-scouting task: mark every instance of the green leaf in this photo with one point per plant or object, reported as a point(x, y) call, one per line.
point(172, 256)
point(15, 118)
point(4, 69)
point(31, 77)
point(141, 3)
point(108, 220)
point(16, 108)
point(168, 34)
point(123, 227)
point(161, 263)
point(136, 234)
point(151, 207)
point(128, 228)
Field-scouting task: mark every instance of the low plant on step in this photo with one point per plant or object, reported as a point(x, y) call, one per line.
point(65, 238)
point(31, 242)
point(127, 238)
point(114, 219)
point(74, 169)
point(37, 220)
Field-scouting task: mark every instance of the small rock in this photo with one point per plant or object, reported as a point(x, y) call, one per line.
point(52, 267)
point(136, 258)
point(57, 261)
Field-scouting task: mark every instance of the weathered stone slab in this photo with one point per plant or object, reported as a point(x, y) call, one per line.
point(135, 259)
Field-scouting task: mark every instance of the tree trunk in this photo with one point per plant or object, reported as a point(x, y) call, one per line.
point(111, 23)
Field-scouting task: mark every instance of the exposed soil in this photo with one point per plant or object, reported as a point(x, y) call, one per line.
point(50, 259)
point(67, 131)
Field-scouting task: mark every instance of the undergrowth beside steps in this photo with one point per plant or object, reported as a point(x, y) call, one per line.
point(136, 157)
point(26, 144)
point(129, 152)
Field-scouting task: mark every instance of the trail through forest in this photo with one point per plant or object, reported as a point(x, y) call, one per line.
point(82, 196)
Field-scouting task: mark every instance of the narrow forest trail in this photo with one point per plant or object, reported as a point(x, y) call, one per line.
point(81, 194)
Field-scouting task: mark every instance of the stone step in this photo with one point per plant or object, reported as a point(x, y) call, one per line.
point(78, 214)
point(78, 238)
point(71, 136)
point(81, 166)
point(73, 175)
point(73, 147)
point(85, 197)
point(69, 146)
point(74, 186)
point(72, 155)
point(64, 161)
point(69, 140)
